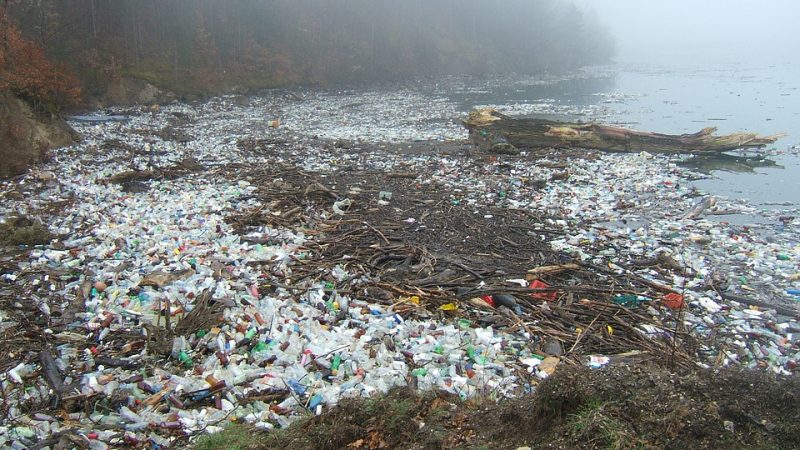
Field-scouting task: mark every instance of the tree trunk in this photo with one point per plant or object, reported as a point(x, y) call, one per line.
point(490, 127)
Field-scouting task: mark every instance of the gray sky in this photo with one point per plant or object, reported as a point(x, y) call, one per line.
point(702, 30)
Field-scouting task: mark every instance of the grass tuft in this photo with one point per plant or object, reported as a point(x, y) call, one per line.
point(597, 427)
point(233, 437)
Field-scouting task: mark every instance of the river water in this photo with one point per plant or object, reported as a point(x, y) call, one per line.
point(761, 99)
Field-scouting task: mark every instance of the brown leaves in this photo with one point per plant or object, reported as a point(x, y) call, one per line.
point(26, 71)
point(373, 441)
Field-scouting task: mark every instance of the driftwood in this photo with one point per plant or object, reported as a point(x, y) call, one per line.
point(492, 127)
point(782, 310)
point(50, 371)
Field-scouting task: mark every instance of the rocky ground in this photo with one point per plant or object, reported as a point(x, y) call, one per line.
point(261, 259)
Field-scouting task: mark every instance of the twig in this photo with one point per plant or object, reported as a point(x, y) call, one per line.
point(377, 231)
point(580, 336)
point(292, 393)
point(328, 353)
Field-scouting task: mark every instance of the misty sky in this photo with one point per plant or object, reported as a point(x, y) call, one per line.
point(689, 31)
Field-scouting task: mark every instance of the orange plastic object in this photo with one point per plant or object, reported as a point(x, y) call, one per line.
point(538, 284)
point(673, 301)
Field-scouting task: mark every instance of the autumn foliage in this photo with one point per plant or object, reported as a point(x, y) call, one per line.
point(29, 74)
point(208, 46)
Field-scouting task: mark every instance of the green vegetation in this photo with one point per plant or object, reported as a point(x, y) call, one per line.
point(595, 425)
point(234, 437)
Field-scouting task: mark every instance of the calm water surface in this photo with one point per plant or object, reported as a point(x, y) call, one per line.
point(761, 99)
point(764, 100)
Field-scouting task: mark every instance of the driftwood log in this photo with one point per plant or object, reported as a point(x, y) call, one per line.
point(490, 127)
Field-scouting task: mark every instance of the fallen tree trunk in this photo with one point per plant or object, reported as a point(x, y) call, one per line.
point(490, 127)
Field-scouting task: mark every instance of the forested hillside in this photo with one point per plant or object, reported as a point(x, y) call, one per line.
point(207, 46)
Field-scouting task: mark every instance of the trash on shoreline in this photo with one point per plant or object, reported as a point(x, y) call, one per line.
point(269, 282)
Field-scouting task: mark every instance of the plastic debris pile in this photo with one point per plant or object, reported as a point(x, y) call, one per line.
point(256, 273)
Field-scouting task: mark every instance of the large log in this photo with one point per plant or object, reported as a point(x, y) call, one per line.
point(488, 126)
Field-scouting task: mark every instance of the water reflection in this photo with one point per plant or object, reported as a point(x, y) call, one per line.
point(732, 97)
point(729, 163)
point(574, 91)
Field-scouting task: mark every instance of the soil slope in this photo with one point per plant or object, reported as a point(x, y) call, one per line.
point(26, 137)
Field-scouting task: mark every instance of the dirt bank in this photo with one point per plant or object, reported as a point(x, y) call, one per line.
point(618, 407)
point(26, 137)
point(128, 91)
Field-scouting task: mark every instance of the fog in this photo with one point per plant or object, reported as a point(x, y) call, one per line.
point(714, 31)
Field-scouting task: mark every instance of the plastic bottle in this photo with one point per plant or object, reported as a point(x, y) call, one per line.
point(179, 344)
